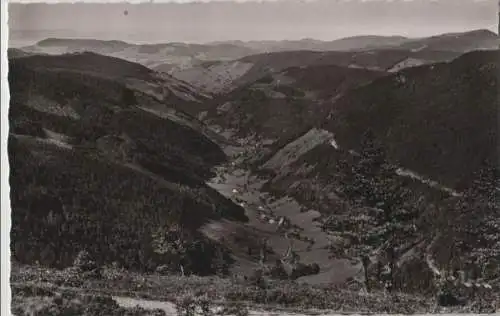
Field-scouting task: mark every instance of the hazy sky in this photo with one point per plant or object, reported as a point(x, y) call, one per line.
point(285, 19)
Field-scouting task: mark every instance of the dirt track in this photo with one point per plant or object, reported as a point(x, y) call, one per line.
point(170, 310)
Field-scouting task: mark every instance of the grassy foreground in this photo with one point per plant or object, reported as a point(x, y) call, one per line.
point(30, 283)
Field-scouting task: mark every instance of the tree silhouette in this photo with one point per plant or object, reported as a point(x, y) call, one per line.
point(382, 209)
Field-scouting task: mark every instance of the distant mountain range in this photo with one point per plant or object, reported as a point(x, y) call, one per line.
point(220, 77)
point(171, 57)
point(151, 55)
point(459, 42)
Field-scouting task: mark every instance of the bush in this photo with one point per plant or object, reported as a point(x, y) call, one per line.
point(186, 306)
point(301, 270)
point(257, 279)
point(39, 302)
point(190, 305)
point(236, 309)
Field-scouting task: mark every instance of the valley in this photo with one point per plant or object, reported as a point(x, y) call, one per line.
point(276, 178)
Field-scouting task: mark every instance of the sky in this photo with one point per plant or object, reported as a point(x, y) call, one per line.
point(249, 20)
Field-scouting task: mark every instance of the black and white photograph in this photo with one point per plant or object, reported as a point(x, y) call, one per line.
point(264, 158)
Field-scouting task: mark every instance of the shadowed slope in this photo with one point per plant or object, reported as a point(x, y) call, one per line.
point(439, 120)
point(92, 169)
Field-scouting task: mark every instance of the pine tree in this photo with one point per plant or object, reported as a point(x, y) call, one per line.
point(480, 215)
point(171, 244)
point(379, 230)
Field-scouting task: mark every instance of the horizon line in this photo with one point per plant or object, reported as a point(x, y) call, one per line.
point(228, 41)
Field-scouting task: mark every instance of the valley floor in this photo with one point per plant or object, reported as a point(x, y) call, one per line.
point(264, 213)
